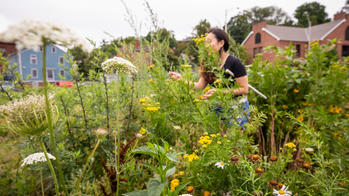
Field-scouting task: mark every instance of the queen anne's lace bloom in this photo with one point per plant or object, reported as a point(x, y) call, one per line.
point(36, 157)
point(27, 116)
point(119, 65)
point(29, 34)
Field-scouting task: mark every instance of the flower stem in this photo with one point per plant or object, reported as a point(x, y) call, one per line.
point(118, 137)
point(50, 166)
point(86, 164)
point(42, 184)
point(49, 116)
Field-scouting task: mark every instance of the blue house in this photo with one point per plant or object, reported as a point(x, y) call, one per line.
point(29, 65)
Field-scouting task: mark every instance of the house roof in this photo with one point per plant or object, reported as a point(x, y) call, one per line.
point(317, 32)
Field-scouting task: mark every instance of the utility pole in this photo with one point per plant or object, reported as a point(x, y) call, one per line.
point(226, 17)
point(309, 29)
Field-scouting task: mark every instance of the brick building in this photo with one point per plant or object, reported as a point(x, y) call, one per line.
point(263, 35)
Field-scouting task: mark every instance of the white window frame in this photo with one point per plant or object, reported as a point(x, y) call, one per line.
point(37, 73)
point(53, 74)
point(33, 57)
point(60, 72)
point(53, 49)
point(59, 60)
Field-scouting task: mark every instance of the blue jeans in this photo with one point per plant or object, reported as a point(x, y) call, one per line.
point(242, 119)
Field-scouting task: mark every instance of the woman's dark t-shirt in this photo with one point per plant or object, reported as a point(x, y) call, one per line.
point(234, 65)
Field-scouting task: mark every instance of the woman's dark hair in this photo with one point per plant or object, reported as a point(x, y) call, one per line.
point(220, 35)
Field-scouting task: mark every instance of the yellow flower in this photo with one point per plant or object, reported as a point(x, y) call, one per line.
point(213, 135)
point(181, 173)
point(152, 108)
point(174, 184)
point(205, 133)
point(218, 81)
point(291, 145)
point(130, 87)
point(305, 103)
point(196, 100)
point(204, 146)
point(142, 131)
point(228, 140)
point(191, 157)
point(143, 100)
point(314, 43)
point(174, 175)
point(300, 118)
point(151, 66)
point(296, 90)
point(186, 66)
point(338, 109)
point(219, 142)
point(300, 111)
point(207, 88)
point(284, 107)
point(150, 80)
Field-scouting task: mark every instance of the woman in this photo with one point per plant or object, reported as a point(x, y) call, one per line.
point(219, 41)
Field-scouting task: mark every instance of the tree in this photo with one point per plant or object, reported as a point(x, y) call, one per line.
point(240, 25)
point(314, 10)
point(201, 28)
point(162, 35)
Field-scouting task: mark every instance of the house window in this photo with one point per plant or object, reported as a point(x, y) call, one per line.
point(34, 73)
point(53, 49)
point(345, 50)
point(257, 38)
point(50, 74)
point(33, 59)
point(61, 72)
point(61, 60)
point(347, 34)
point(254, 52)
point(298, 50)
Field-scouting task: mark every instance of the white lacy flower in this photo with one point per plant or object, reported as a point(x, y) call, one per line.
point(310, 150)
point(27, 116)
point(36, 157)
point(30, 33)
point(118, 64)
point(186, 195)
point(220, 164)
point(282, 192)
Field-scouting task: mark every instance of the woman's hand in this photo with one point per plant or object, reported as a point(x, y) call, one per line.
point(175, 75)
point(208, 94)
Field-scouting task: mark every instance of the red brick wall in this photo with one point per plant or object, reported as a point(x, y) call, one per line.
point(9, 47)
point(339, 34)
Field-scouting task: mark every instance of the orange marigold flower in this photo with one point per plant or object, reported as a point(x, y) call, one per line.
point(206, 193)
point(296, 90)
point(307, 165)
point(300, 118)
point(284, 107)
point(190, 189)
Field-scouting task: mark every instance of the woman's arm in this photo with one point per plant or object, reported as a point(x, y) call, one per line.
point(197, 85)
point(243, 84)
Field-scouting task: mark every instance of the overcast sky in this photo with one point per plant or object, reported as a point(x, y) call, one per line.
point(101, 19)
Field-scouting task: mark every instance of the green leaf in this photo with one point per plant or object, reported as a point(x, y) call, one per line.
point(170, 171)
point(155, 187)
point(137, 193)
point(145, 150)
point(152, 167)
point(172, 156)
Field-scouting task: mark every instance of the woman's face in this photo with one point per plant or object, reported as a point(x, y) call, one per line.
point(213, 42)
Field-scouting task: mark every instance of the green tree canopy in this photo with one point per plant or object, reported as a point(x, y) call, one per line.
point(314, 10)
point(240, 25)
